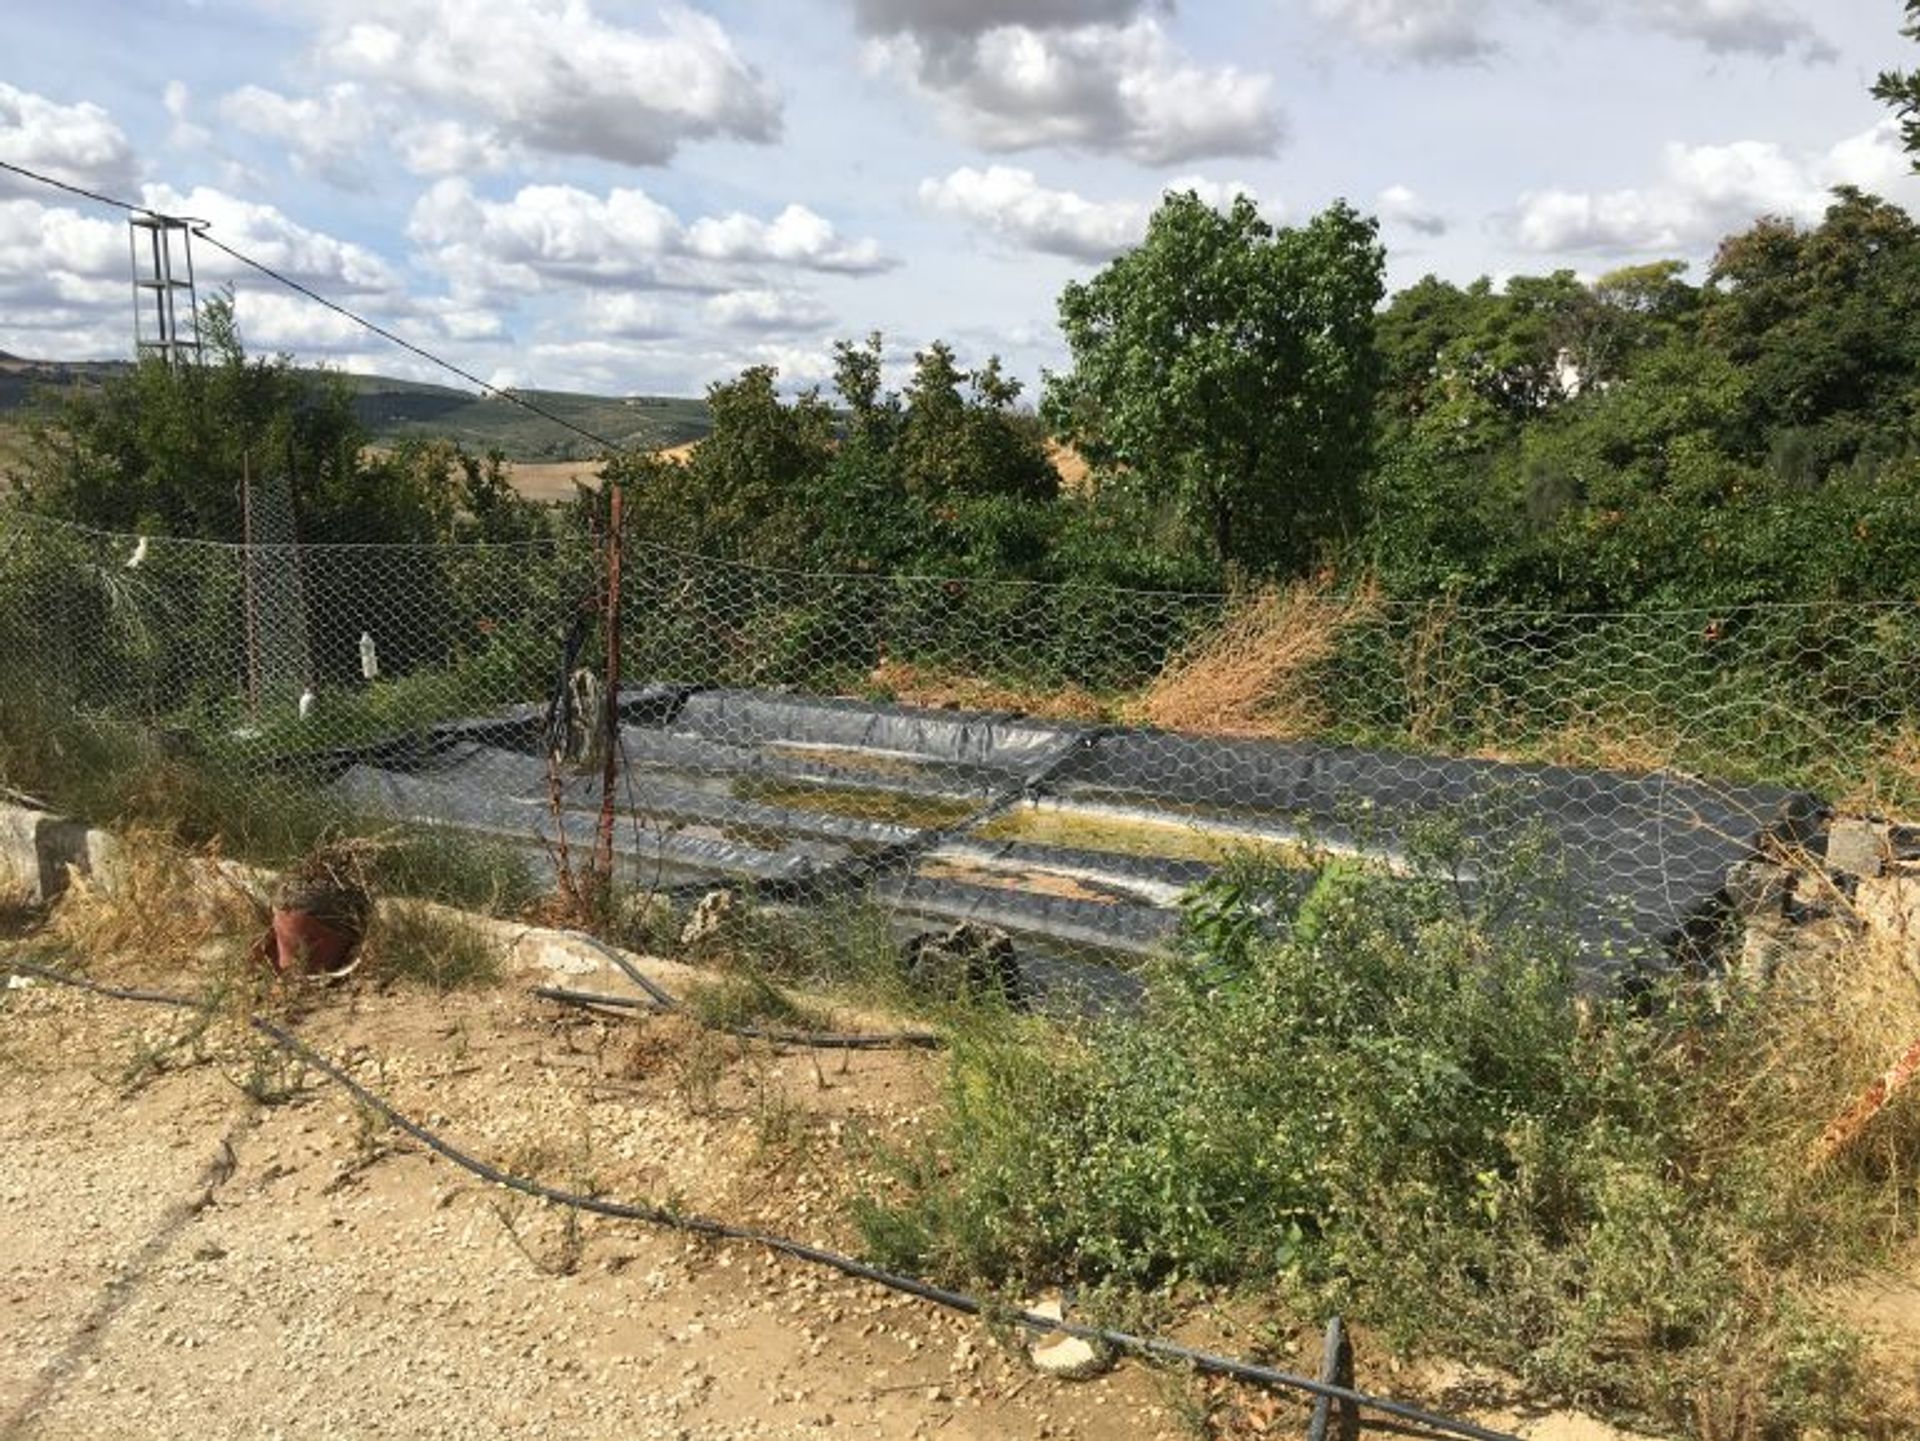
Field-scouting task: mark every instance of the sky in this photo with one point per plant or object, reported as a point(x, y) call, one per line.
point(645, 198)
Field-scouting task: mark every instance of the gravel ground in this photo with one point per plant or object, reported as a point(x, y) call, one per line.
point(178, 1259)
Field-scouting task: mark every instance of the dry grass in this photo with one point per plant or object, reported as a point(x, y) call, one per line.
point(160, 908)
point(1892, 783)
point(1076, 476)
point(1611, 740)
point(929, 686)
point(1253, 674)
point(1823, 1024)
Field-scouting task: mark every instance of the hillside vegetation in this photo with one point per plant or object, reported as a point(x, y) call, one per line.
point(393, 410)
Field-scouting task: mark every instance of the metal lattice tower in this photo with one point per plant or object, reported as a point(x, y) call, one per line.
point(166, 308)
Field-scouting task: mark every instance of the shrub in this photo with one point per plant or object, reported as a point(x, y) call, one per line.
point(1385, 1097)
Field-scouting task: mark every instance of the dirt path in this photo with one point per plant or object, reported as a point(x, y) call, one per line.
point(179, 1259)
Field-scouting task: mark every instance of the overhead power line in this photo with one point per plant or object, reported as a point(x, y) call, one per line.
point(202, 229)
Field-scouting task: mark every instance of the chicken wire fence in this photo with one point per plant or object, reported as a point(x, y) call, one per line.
point(1041, 779)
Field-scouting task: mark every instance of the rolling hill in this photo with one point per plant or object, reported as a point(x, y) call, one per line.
point(395, 410)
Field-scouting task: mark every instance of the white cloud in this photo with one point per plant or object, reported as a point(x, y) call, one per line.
point(558, 233)
point(1400, 206)
point(64, 279)
point(767, 311)
point(272, 319)
point(447, 147)
point(76, 143)
point(1707, 191)
point(1424, 31)
point(554, 76)
point(796, 236)
point(184, 133)
point(1455, 32)
point(1011, 203)
point(56, 263)
point(625, 315)
point(1108, 88)
point(274, 239)
point(545, 233)
point(327, 135)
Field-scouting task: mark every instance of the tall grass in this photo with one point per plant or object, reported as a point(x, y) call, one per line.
point(113, 772)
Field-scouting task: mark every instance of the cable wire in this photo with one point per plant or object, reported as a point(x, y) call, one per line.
point(204, 230)
point(1150, 1347)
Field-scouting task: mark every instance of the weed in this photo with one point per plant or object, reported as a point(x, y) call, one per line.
point(698, 1068)
point(745, 998)
point(428, 945)
point(158, 1050)
point(780, 1126)
point(272, 1077)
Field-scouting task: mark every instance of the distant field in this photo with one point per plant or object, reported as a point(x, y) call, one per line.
point(547, 459)
point(548, 480)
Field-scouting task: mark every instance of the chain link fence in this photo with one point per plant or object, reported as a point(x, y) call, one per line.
point(989, 782)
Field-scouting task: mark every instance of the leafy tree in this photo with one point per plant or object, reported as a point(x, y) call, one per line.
point(1901, 89)
point(955, 445)
point(165, 447)
point(873, 411)
point(1818, 320)
point(1226, 370)
point(746, 492)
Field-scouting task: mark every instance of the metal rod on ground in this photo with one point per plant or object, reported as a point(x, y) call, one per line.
point(1845, 1128)
point(610, 724)
point(1336, 1369)
point(779, 1035)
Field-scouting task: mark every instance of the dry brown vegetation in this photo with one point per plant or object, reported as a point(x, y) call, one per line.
point(924, 685)
point(1252, 674)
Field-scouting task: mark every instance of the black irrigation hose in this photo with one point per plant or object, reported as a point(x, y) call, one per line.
point(821, 1040)
point(665, 1000)
point(1151, 1347)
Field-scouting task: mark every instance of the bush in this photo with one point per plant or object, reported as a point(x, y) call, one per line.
point(1385, 1098)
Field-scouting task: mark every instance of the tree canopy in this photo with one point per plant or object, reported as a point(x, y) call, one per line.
point(1224, 369)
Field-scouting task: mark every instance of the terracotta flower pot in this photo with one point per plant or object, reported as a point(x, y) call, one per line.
point(318, 924)
point(302, 943)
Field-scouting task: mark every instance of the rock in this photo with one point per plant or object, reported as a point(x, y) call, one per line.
point(1758, 888)
point(1859, 848)
point(1069, 1358)
point(710, 918)
point(1889, 907)
point(968, 960)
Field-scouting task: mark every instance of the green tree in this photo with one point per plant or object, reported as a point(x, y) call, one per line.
point(1818, 320)
point(748, 491)
point(1901, 89)
point(165, 448)
point(961, 437)
point(1227, 369)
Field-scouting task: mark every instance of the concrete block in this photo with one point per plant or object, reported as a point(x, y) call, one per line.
point(1858, 848)
point(37, 848)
